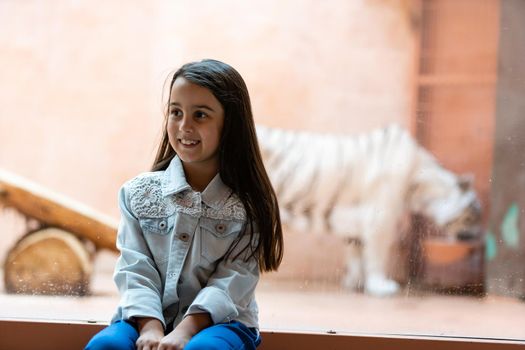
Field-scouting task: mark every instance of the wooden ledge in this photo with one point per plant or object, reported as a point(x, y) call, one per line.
point(18, 334)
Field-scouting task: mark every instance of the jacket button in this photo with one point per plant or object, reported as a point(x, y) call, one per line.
point(184, 237)
point(220, 228)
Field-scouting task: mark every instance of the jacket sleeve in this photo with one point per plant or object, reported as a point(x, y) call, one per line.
point(136, 274)
point(231, 288)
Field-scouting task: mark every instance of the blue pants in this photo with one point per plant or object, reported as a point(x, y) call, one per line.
point(122, 335)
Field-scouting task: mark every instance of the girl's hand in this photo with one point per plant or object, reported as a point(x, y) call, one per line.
point(181, 335)
point(176, 340)
point(151, 333)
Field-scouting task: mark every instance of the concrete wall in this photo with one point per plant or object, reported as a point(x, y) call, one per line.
point(81, 86)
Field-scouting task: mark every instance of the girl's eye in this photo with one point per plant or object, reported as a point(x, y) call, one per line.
point(200, 115)
point(175, 113)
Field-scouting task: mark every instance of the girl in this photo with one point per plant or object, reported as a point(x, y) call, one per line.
point(195, 233)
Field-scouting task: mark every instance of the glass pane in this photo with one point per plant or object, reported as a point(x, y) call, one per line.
point(392, 132)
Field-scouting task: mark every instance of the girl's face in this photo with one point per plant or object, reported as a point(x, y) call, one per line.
point(195, 123)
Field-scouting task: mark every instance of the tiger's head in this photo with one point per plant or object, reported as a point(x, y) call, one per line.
point(449, 202)
point(466, 225)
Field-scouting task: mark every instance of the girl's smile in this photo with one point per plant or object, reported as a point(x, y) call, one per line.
point(188, 143)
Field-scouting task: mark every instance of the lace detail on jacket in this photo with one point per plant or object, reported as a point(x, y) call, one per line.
point(146, 200)
point(232, 209)
point(145, 197)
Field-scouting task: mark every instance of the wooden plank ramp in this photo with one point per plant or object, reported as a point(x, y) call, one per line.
point(56, 210)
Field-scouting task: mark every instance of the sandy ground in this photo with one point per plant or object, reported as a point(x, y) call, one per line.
point(310, 307)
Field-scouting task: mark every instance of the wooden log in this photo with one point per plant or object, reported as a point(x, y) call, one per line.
point(48, 261)
point(53, 209)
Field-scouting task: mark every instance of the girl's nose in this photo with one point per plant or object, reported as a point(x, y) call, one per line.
point(185, 124)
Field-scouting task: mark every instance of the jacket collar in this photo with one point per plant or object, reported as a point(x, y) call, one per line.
point(174, 181)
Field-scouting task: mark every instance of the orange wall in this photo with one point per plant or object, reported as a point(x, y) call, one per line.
point(458, 76)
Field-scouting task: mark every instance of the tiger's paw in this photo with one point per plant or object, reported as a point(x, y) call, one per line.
point(380, 286)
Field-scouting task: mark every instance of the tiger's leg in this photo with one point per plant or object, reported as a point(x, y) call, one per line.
point(353, 278)
point(377, 240)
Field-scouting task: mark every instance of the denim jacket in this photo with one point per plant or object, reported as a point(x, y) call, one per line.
point(172, 242)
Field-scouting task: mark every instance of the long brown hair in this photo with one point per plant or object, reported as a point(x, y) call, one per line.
point(240, 162)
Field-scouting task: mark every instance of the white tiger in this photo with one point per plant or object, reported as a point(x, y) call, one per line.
point(360, 187)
